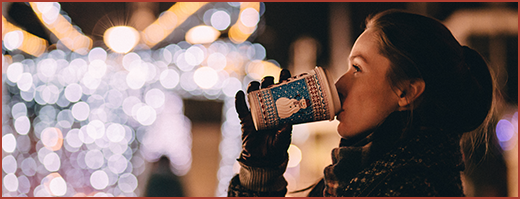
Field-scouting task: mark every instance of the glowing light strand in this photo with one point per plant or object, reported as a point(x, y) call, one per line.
point(64, 31)
point(30, 44)
point(168, 21)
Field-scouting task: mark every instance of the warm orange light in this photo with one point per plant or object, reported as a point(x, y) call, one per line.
point(55, 184)
point(29, 43)
point(202, 35)
point(52, 138)
point(258, 69)
point(63, 30)
point(168, 21)
point(246, 23)
point(236, 35)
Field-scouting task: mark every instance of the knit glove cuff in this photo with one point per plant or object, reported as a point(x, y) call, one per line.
point(263, 179)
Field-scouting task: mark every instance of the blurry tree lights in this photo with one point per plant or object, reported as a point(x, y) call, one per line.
point(74, 139)
point(95, 115)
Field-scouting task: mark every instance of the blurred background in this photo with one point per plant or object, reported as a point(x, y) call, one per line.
point(137, 98)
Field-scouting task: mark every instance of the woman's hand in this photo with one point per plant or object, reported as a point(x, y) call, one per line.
point(264, 148)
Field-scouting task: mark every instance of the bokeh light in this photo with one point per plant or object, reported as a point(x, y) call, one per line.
point(202, 34)
point(24, 185)
point(220, 20)
point(169, 78)
point(94, 159)
point(58, 186)
point(99, 180)
point(29, 166)
point(154, 98)
point(246, 23)
point(137, 76)
point(52, 162)
point(258, 69)
point(127, 183)
point(145, 115)
point(169, 20)
point(80, 111)
point(83, 121)
point(22, 125)
point(13, 40)
point(97, 54)
point(121, 39)
point(8, 143)
point(49, 14)
point(25, 83)
point(507, 131)
point(9, 164)
point(117, 132)
point(14, 72)
point(96, 129)
point(97, 68)
point(205, 77)
point(52, 138)
point(10, 182)
point(72, 139)
point(117, 163)
point(249, 17)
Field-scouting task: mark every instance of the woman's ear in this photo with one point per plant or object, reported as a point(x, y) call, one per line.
point(411, 92)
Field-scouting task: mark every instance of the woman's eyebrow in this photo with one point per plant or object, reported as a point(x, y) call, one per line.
point(358, 56)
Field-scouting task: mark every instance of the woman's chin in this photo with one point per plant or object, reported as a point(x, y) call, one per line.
point(343, 130)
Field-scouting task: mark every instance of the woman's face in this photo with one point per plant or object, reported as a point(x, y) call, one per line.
point(366, 95)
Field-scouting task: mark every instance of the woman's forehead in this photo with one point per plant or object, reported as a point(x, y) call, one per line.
point(365, 46)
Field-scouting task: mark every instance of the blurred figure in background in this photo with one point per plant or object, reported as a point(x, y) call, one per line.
point(163, 182)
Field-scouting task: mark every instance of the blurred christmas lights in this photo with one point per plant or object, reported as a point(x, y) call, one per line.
point(16, 38)
point(82, 123)
point(49, 15)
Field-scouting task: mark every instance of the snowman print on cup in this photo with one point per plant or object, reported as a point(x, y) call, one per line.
point(287, 107)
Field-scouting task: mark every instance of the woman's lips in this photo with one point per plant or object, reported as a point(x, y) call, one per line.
point(338, 116)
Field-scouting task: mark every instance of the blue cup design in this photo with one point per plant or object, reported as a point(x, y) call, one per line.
point(307, 97)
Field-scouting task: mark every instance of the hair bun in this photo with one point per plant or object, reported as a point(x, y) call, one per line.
point(479, 89)
point(477, 68)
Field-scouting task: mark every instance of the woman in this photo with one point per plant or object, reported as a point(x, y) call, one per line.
point(410, 92)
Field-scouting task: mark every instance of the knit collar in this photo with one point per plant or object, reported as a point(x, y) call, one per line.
point(389, 149)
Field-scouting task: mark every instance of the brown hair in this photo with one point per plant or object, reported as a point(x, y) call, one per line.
point(458, 84)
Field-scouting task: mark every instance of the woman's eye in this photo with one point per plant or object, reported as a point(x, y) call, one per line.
point(356, 68)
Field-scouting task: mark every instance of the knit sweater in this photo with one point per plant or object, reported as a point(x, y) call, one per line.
point(426, 163)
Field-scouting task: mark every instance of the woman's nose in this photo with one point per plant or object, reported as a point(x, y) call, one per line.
point(341, 87)
point(341, 84)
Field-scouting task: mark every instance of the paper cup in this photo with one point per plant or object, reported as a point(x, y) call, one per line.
point(307, 97)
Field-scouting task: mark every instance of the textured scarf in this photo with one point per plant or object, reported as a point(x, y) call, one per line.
point(355, 154)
